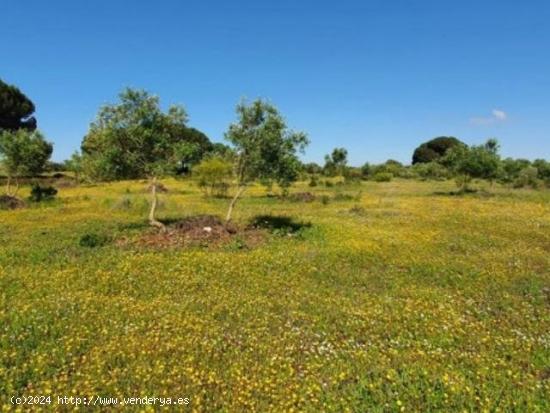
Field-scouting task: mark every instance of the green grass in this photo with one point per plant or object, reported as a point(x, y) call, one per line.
point(397, 299)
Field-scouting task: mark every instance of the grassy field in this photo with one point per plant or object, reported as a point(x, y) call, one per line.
point(397, 297)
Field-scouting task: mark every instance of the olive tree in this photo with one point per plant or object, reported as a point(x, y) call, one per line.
point(265, 149)
point(135, 139)
point(22, 153)
point(481, 161)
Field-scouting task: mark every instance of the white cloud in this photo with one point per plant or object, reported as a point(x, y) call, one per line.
point(497, 116)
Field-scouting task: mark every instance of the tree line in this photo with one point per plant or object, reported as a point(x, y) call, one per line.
point(135, 139)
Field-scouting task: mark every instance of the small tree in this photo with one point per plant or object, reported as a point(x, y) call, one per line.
point(135, 139)
point(480, 161)
point(214, 175)
point(265, 148)
point(23, 153)
point(74, 165)
point(335, 164)
point(510, 168)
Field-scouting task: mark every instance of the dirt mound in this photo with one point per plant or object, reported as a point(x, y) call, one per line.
point(160, 188)
point(202, 230)
point(10, 202)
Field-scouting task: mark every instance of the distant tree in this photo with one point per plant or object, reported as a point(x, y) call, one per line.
point(265, 148)
point(543, 168)
point(312, 168)
point(434, 149)
point(353, 174)
point(197, 143)
point(75, 165)
point(492, 145)
point(391, 166)
point(481, 162)
point(528, 176)
point(23, 153)
point(366, 170)
point(335, 163)
point(214, 175)
point(222, 150)
point(135, 139)
point(52, 166)
point(16, 109)
point(510, 168)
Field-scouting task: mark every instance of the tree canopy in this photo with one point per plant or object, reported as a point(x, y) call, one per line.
point(435, 149)
point(23, 153)
point(480, 161)
point(135, 139)
point(16, 109)
point(266, 149)
point(336, 162)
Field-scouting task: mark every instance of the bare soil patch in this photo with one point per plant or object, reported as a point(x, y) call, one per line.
point(10, 202)
point(204, 231)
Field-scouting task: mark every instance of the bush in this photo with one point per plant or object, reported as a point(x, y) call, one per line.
point(382, 177)
point(313, 181)
point(214, 176)
point(93, 240)
point(527, 177)
point(39, 193)
point(430, 170)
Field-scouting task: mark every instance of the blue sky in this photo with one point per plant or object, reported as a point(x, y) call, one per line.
point(376, 77)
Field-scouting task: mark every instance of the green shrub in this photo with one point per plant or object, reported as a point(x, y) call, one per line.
point(214, 176)
point(93, 240)
point(42, 193)
point(382, 177)
point(430, 170)
point(313, 181)
point(527, 177)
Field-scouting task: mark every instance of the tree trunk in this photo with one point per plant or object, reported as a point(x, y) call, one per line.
point(154, 200)
point(232, 204)
point(8, 186)
point(16, 186)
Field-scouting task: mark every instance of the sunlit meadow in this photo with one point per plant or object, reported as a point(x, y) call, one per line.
point(398, 297)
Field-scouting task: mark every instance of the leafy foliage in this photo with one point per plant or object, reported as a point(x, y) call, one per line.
point(16, 109)
point(40, 193)
point(480, 161)
point(430, 170)
point(382, 177)
point(214, 175)
point(528, 176)
point(335, 163)
point(135, 139)
point(265, 147)
point(24, 152)
point(266, 150)
point(435, 149)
